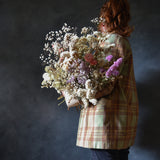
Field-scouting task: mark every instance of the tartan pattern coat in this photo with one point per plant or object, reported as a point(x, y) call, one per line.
point(112, 123)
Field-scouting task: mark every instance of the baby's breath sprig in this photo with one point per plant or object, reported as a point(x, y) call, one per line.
point(54, 43)
point(98, 20)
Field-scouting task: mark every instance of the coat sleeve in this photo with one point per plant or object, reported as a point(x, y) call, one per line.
point(123, 50)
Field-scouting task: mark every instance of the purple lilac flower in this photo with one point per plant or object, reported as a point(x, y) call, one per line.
point(118, 62)
point(72, 67)
point(84, 67)
point(81, 80)
point(71, 80)
point(113, 67)
point(115, 73)
point(109, 58)
point(108, 73)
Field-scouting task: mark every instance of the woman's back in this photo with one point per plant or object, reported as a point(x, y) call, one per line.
point(112, 123)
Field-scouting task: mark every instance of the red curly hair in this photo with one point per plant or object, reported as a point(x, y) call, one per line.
point(117, 16)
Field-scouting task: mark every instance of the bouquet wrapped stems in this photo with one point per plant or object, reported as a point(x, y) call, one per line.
point(72, 103)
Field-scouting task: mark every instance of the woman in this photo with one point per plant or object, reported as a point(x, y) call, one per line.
point(109, 128)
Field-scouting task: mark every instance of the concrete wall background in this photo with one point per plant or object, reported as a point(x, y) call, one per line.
point(32, 126)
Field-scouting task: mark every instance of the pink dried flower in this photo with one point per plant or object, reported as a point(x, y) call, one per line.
point(93, 62)
point(88, 57)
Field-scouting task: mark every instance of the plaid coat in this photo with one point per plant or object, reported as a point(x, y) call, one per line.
point(112, 123)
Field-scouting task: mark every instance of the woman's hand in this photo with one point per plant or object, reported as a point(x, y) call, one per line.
point(62, 93)
point(73, 102)
point(99, 94)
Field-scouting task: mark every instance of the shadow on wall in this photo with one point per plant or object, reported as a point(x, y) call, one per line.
point(149, 112)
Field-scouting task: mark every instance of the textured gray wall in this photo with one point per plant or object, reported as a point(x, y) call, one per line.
point(32, 126)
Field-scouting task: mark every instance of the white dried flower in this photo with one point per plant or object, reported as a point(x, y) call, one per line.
point(65, 54)
point(46, 76)
point(84, 30)
point(93, 101)
point(85, 102)
point(88, 84)
point(46, 45)
point(89, 37)
point(97, 20)
point(81, 92)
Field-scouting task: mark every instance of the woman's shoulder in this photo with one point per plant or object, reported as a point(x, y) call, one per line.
point(122, 43)
point(121, 40)
point(114, 37)
point(117, 35)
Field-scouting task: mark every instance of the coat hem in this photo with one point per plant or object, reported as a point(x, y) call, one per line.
point(98, 145)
